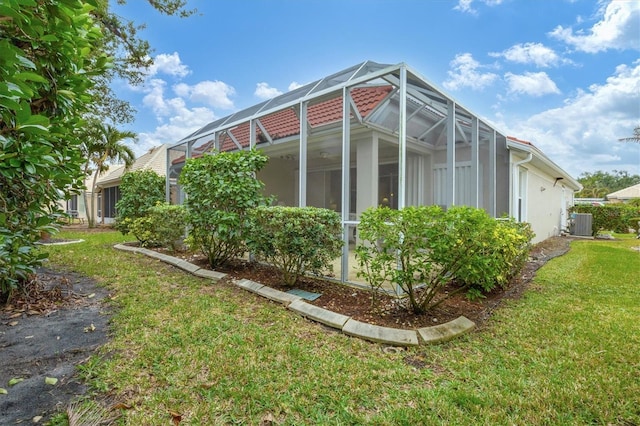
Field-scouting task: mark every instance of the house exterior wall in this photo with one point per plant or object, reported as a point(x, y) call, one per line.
point(546, 202)
point(279, 177)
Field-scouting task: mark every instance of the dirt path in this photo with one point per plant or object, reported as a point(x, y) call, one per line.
point(39, 341)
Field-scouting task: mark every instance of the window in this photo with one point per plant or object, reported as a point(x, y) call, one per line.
point(72, 203)
point(110, 196)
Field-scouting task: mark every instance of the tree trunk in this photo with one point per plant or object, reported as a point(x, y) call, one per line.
point(91, 214)
point(85, 197)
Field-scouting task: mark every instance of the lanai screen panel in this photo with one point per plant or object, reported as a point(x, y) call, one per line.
point(502, 177)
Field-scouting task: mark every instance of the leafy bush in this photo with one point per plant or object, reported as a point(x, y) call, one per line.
point(610, 217)
point(295, 239)
point(221, 189)
point(47, 63)
point(422, 249)
point(491, 251)
point(143, 228)
point(162, 226)
point(169, 224)
point(394, 247)
point(139, 191)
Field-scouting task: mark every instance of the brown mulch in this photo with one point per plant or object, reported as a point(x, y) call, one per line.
point(389, 311)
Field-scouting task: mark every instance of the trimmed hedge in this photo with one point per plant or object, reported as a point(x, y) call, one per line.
point(295, 239)
point(221, 190)
point(162, 226)
point(610, 217)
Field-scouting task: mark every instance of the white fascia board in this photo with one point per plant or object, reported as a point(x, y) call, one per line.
point(539, 155)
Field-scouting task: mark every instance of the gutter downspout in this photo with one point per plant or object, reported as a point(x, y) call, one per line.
point(516, 184)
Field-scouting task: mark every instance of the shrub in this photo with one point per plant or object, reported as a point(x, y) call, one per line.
point(143, 229)
point(163, 226)
point(221, 189)
point(394, 247)
point(422, 249)
point(497, 251)
point(295, 239)
point(170, 224)
point(139, 191)
point(610, 217)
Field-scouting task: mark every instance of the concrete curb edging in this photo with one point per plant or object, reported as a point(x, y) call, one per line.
point(321, 315)
point(179, 263)
point(346, 324)
point(446, 331)
point(392, 336)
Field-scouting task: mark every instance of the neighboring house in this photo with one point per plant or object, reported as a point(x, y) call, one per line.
point(377, 134)
point(625, 195)
point(108, 184)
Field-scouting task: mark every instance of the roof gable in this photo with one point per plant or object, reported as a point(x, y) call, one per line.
point(154, 159)
point(626, 193)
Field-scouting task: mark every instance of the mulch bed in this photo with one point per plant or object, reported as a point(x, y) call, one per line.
point(390, 311)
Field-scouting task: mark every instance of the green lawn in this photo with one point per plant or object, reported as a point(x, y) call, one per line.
point(568, 352)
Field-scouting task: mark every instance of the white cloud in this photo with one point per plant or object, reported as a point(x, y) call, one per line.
point(531, 53)
point(582, 135)
point(617, 29)
point(213, 93)
point(183, 122)
point(175, 118)
point(531, 83)
point(465, 73)
point(295, 85)
point(154, 98)
point(169, 64)
point(264, 91)
point(465, 5)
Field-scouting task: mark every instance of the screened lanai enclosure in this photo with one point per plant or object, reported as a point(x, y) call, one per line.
point(370, 135)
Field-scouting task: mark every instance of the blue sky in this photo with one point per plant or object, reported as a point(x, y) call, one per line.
point(563, 74)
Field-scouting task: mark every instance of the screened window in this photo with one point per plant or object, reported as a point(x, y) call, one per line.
point(110, 196)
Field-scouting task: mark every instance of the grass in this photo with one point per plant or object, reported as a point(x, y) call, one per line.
point(565, 353)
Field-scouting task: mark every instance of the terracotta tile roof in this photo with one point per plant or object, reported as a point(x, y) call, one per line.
point(286, 123)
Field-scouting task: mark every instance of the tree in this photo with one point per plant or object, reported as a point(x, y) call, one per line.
point(56, 61)
point(103, 145)
point(599, 183)
point(130, 54)
point(47, 67)
point(634, 138)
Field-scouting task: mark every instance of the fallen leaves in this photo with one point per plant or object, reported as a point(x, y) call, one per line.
point(15, 381)
point(43, 295)
point(90, 329)
point(50, 381)
point(176, 418)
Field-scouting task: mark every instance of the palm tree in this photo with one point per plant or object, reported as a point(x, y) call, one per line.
point(103, 145)
point(634, 138)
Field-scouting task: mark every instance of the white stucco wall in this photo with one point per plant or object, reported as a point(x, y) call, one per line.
point(545, 202)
